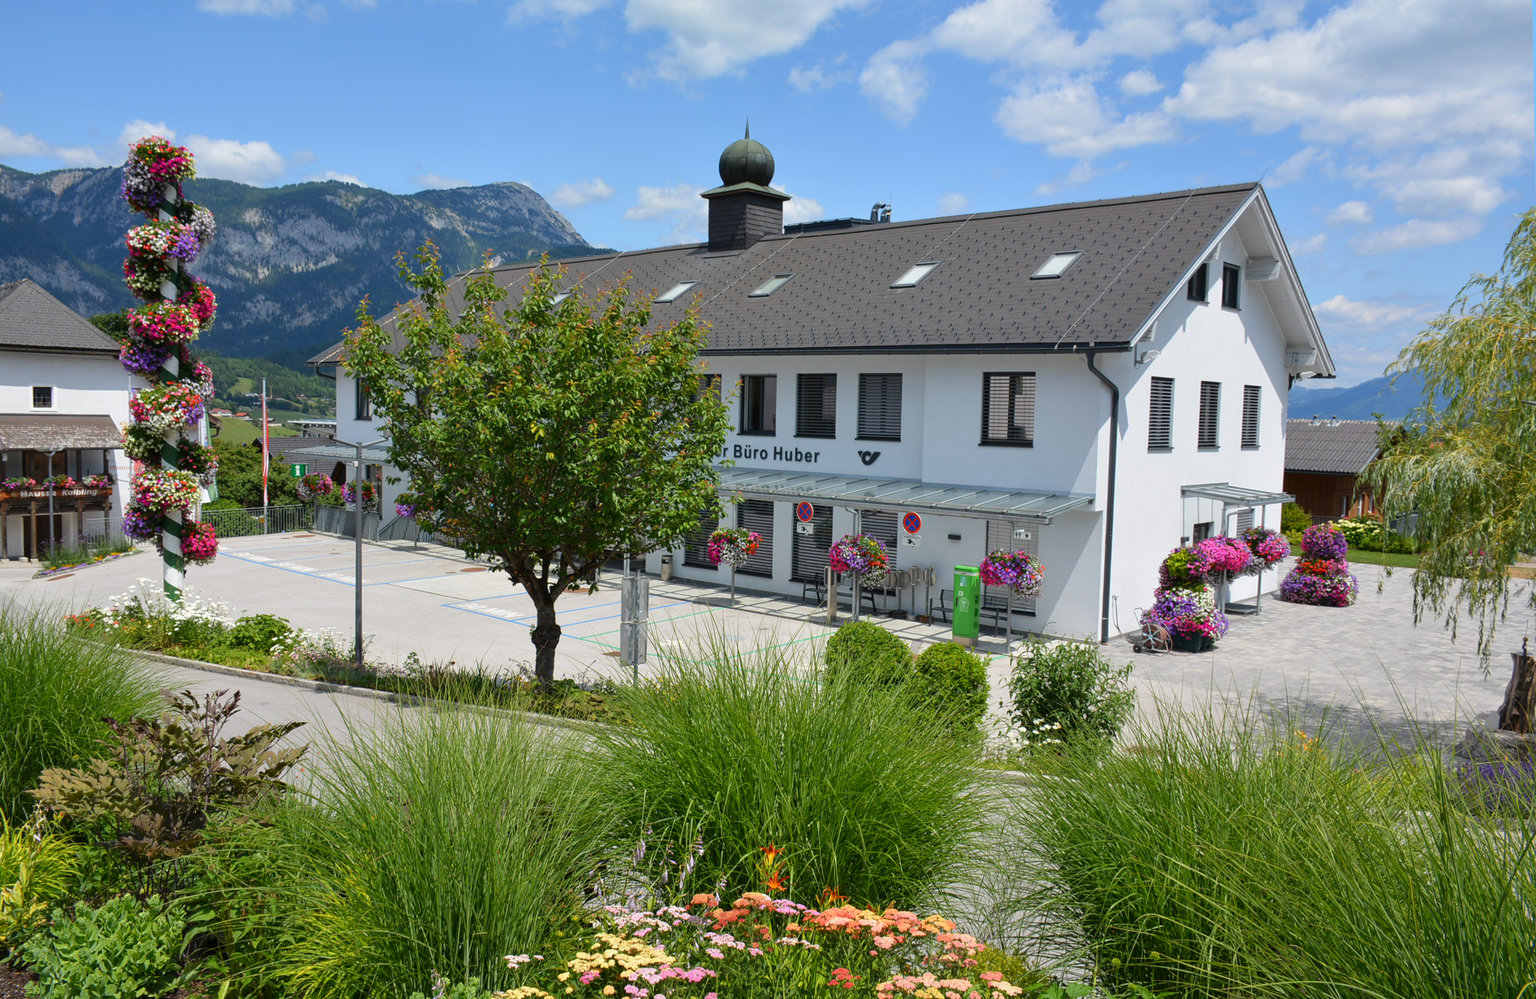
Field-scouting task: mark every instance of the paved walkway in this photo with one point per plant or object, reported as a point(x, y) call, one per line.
point(1361, 664)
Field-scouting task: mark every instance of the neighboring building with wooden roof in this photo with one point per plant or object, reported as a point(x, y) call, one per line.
point(1095, 382)
point(1323, 460)
point(63, 403)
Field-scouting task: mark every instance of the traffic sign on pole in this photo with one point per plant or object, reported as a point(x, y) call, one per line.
point(804, 512)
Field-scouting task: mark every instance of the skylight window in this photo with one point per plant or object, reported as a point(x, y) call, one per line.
point(676, 291)
point(770, 286)
point(1057, 265)
point(560, 298)
point(915, 274)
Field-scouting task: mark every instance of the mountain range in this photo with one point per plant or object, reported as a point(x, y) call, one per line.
point(289, 264)
point(1359, 402)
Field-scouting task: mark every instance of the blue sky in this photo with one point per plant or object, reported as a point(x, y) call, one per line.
point(1394, 137)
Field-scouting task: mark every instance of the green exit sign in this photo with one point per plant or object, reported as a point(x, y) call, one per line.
point(299, 471)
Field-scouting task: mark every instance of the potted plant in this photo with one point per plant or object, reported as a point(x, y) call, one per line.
point(861, 556)
point(1020, 571)
point(733, 546)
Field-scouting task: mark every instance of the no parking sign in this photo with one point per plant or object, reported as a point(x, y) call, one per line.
point(913, 525)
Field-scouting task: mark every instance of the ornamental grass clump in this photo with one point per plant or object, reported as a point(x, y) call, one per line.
point(433, 840)
point(1232, 855)
point(863, 791)
point(1321, 576)
point(56, 686)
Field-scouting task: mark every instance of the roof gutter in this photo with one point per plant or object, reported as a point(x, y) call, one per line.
point(1109, 503)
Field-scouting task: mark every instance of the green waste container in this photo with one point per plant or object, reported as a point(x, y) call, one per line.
point(967, 604)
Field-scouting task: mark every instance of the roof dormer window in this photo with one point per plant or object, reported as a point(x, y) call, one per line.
point(915, 274)
point(1057, 265)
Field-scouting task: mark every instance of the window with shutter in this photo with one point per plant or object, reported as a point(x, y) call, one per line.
point(808, 552)
point(1244, 521)
point(880, 407)
point(1210, 415)
point(1160, 416)
point(1196, 290)
point(759, 404)
point(1251, 397)
point(816, 406)
point(882, 524)
point(757, 515)
point(1008, 408)
point(696, 542)
point(364, 403)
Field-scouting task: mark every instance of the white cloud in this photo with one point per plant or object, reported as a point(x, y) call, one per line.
point(1416, 234)
point(680, 204)
point(248, 162)
point(1081, 173)
point(1369, 315)
point(138, 129)
point(896, 81)
point(1314, 243)
point(564, 10)
point(709, 39)
point(1067, 117)
point(436, 181)
point(1351, 212)
point(13, 143)
point(803, 210)
point(582, 192)
point(1294, 168)
point(954, 203)
point(345, 178)
point(1442, 196)
point(264, 8)
point(1139, 83)
point(810, 80)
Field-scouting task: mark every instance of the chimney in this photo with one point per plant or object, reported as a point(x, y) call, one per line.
point(744, 209)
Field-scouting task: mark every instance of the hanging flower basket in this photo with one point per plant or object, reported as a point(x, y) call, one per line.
point(406, 511)
point(160, 489)
point(163, 324)
point(1224, 556)
point(165, 407)
point(861, 556)
point(153, 164)
point(198, 459)
point(370, 496)
point(139, 523)
point(315, 485)
point(1268, 547)
point(199, 542)
point(733, 546)
point(1020, 571)
point(199, 298)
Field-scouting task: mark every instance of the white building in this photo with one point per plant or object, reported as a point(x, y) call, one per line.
point(63, 403)
point(1097, 382)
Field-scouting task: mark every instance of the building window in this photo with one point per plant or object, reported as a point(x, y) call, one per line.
point(1203, 531)
point(364, 401)
point(759, 404)
point(1197, 290)
point(1160, 416)
point(816, 406)
point(1250, 416)
point(696, 541)
point(757, 515)
point(42, 397)
point(1231, 284)
point(879, 407)
point(709, 385)
point(1008, 408)
point(1210, 415)
point(1004, 535)
point(808, 552)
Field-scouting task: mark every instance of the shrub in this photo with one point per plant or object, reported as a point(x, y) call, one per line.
point(1231, 856)
point(1294, 519)
point(124, 950)
point(1065, 691)
point(742, 751)
point(952, 682)
point(55, 687)
point(260, 632)
point(438, 840)
point(37, 868)
point(865, 651)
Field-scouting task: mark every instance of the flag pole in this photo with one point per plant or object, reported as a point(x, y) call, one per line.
point(266, 455)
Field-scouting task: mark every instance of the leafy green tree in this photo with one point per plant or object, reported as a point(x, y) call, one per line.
point(240, 476)
point(548, 437)
point(113, 324)
point(1465, 461)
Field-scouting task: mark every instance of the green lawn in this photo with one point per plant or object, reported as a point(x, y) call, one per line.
point(244, 431)
point(1358, 556)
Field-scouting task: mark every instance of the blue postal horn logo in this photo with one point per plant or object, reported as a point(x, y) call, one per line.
point(868, 457)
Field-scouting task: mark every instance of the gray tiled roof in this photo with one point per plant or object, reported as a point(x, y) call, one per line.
point(32, 432)
point(32, 319)
point(980, 298)
point(1335, 447)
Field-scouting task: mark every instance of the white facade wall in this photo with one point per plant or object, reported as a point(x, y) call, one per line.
point(83, 385)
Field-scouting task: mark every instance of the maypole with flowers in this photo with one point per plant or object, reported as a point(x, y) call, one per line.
point(174, 465)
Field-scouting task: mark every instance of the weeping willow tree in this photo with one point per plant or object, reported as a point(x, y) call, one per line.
point(1465, 460)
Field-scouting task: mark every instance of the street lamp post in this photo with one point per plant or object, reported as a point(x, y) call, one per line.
point(357, 578)
point(53, 541)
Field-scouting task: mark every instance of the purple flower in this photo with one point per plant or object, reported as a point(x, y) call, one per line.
point(141, 359)
point(1324, 541)
point(140, 524)
point(185, 247)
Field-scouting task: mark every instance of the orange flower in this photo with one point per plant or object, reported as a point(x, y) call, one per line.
point(772, 852)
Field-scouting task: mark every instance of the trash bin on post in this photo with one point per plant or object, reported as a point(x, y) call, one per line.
point(967, 624)
point(666, 568)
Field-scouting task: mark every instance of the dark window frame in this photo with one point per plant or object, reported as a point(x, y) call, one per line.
point(1160, 416)
point(755, 412)
point(870, 423)
point(822, 425)
point(1231, 287)
point(1012, 394)
point(1252, 408)
point(1198, 287)
point(1208, 437)
point(43, 393)
point(362, 401)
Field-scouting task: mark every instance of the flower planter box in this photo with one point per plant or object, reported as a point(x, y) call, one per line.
point(1192, 643)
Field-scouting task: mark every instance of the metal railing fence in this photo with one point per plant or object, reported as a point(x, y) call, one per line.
point(256, 520)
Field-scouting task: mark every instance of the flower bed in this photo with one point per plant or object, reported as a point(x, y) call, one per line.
point(1322, 575)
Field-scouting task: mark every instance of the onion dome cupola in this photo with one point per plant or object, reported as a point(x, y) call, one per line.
point(744, 208)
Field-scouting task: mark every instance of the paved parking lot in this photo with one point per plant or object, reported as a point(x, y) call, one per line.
point(1363, 664)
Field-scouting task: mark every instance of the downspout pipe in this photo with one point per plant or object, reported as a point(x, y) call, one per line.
point(1109, 504)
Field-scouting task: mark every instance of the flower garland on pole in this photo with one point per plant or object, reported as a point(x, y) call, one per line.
point(1020, 571)
point(733, 546)
point(176, 309)
point(861, 556)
